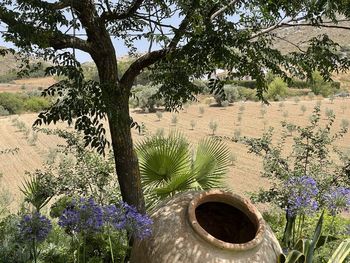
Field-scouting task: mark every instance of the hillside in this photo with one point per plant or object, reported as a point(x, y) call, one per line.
point(299, 36)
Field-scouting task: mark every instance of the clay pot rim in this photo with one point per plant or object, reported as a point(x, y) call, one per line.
point(231, 199)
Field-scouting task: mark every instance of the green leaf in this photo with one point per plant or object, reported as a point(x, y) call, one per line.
point(341, 252)
point(295, 256)
point(315, 239)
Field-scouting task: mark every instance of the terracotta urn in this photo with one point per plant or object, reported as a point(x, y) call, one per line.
point(207, 227)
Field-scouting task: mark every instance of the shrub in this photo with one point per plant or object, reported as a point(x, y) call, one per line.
point(329, 113)
point(11, 102)
point(145, 97)
point(231, 94)
point(3, 111)
point(247, 94)
point(307, 177)
point(277, 88)
point(303, 109)
point(321, 87)
point(225, 103)
point(36, 104)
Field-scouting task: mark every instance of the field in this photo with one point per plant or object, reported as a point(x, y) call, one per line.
point(27, 84)
point(243, 176)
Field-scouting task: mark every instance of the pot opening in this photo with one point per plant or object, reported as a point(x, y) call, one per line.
point(225, 222)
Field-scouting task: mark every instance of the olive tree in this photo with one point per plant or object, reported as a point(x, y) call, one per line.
point(187, 40)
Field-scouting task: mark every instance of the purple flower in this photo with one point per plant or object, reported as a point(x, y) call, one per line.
point(34, 227)
point(114, 216)
point(338, 200)
point(138, 224)
point(83, 216)
point(301, 193)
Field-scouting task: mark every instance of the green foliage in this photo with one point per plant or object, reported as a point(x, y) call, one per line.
point(167, 165)
point(12, 102)
point(145, 97)
point(38, 189)
point(277, 88)
point(3, 111)
point(313, 153)
point(231, 94)
point(321, 87)
point(247, 94)
point(11, 247)
point(81, 172)
point(36, 104)
point(15, 103)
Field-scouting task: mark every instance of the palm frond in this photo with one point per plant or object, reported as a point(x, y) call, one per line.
point(162, 158)
point(211, 163)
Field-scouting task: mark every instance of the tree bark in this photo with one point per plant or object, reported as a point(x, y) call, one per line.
point(116, 99)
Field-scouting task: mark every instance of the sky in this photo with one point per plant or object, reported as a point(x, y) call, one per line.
point(121, 50)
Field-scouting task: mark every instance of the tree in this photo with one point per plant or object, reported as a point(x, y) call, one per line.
point(235, 35)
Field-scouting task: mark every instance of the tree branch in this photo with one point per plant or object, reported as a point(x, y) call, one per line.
point(223, 9)
point(141, 63)
point(55, 39)
point(114, 15)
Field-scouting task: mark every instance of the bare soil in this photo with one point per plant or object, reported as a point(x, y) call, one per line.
point(243, 177)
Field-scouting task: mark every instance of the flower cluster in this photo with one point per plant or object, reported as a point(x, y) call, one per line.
point(34, 227)
point(85, 216)
point(301, 195)
point(338, 200)
point(137, 223)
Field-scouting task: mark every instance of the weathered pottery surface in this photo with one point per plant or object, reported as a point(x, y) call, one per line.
point(180, 231)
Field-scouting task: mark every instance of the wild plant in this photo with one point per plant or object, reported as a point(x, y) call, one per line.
point(174, 119)
point(241, 108)
point(303, 109)
point(296, 100)
point(33, 139)
point(213, 125)
point(331, 99)
point(303, 176)
point(193, 124)
point(237, 134)
point(159, 132)
point(263, 111)
point(280, 106)
point(329, 113)
point(285, 114)
point(201, 111)
point(343, 108)
point(159, 115)
point(311, 95)
point(344, 124)
point(225, 103)
point(233, 159)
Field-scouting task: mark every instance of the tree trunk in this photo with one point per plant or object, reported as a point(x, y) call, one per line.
point(116, 99)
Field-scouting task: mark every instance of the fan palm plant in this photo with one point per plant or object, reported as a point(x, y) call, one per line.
point(169, 165)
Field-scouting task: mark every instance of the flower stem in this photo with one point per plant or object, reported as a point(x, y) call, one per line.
point(34, 251)
point(110, 245)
